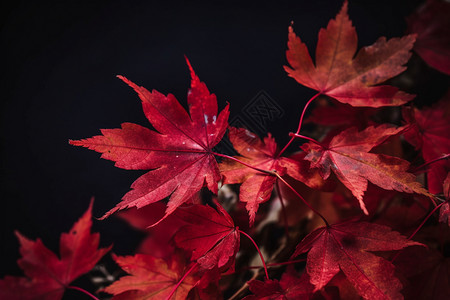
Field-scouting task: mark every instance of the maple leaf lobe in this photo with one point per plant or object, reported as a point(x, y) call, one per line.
point(348, 79)
point(178, 154)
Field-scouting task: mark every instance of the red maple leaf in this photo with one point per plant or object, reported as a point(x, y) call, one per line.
point(210, 235)
point(347, 247)
point(339, 74)
point(431, 23)
point(341, 115)
point(179, 155)
point(347, 154)
point(257, 186)
point(48, 275)
point(428, 279)
point(429, 131)
point(290, 287)
point(152, 278)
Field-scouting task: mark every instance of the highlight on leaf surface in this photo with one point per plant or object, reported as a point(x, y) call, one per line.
point(178, 154)
point(340, 74)
point(47, 275)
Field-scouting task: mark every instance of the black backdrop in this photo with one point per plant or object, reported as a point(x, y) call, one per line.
point(58, 64)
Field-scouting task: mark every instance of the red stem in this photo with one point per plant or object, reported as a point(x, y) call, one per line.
point(303, 199)
point(244, 163)
point(283, 209)
point(426, 219)
point(299, 123)
point(445, 156)
point(181, 280)
point(280, 264)
point(306, 138)
point(418, 228)
point(279, 177)
point(260, 254)
point(82, 290)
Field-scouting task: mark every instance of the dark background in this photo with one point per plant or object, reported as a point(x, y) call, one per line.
point(59, 60)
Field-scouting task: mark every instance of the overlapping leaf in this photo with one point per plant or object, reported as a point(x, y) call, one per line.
point(347, 154)
point(347, 247)
point(178, 153)
point(257, 186)
point(431, 23)
point(290, 287)
point(47, 274)
point(210, 235)
point(429, 131)
point(151, 278)
point(349, 79)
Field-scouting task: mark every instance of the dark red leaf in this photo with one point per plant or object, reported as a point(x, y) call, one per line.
point(210, 235)
point(429, 131)
point(431, 23)
point(347, 247)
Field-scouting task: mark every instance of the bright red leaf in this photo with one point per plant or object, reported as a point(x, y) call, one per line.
point(178, 153)
point(151, 278)
point(347, 154)
point(347, 247)
point(429, 132)
point(339, 74)
point(257, 186)
point(210, 235)
point(431, 23)
point(48, 275)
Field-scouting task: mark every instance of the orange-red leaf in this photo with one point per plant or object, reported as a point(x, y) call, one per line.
point(347, 247)
point(257, 186)
point(47, 274)
point(349, 79)
point(347, 154)
point(178, 153)
point(151, 278)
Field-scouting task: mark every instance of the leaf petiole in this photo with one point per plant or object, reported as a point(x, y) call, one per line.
point(181, 280)
point(259, 252)
point(295, 135)
point(82, 290)
point(299, 123)
point(303, 199)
